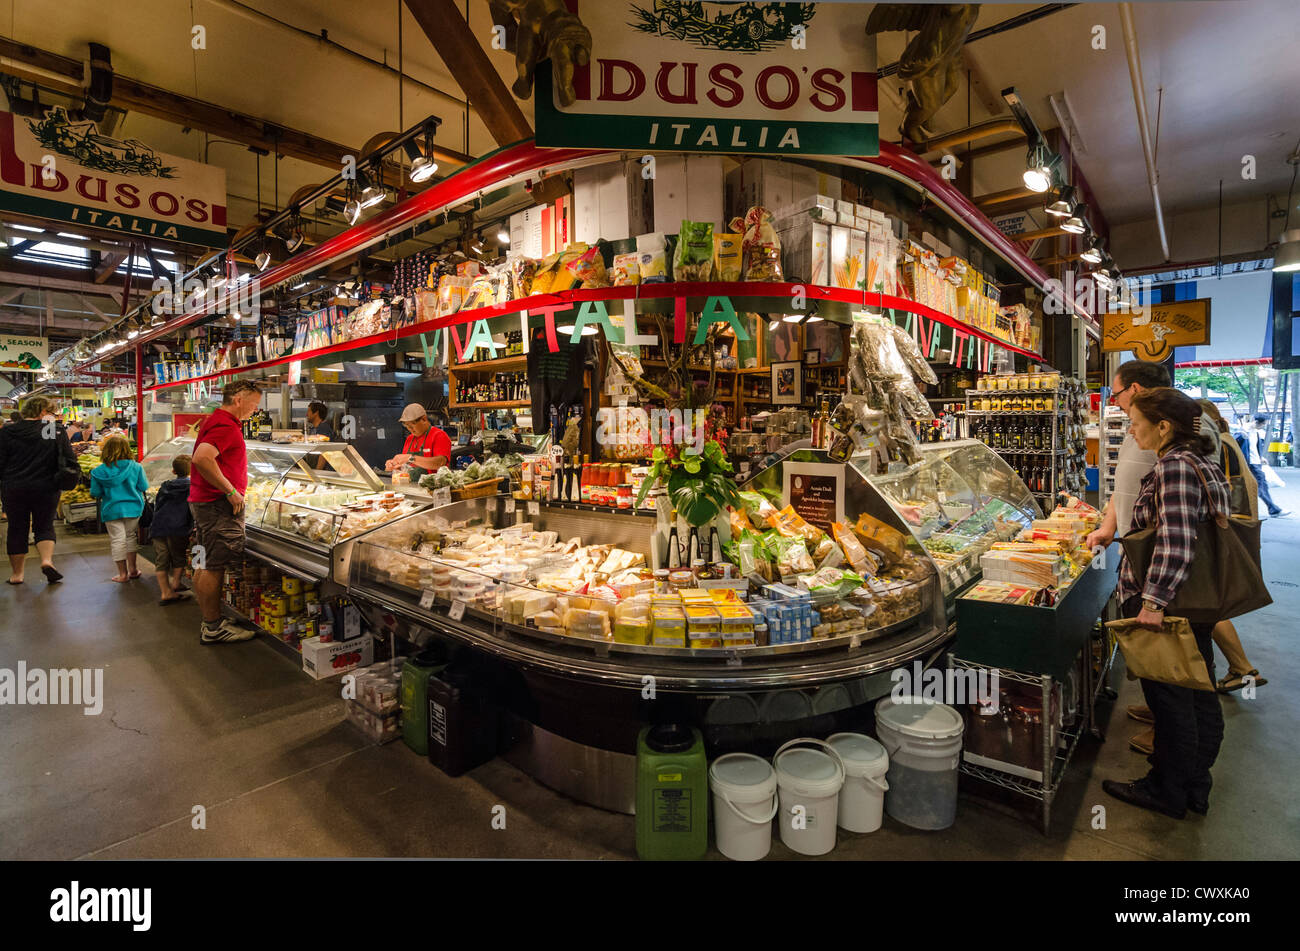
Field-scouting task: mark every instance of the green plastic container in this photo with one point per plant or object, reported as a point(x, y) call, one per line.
point(415, 695)
point(672, 794)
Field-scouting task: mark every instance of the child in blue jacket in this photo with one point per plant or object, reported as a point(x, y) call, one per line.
point(170, 531)
point(119, 484)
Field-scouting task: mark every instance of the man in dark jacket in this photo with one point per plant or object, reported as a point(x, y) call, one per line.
point(170, 530)
point(30, 453)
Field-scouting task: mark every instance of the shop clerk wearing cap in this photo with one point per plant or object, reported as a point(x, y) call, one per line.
point(426, 446)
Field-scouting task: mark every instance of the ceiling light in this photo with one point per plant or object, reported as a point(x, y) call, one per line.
point(1038, 169)
point(503, 236)
point(352, 211)
point(1063, 206)
point(814, 318)
point(155, 321)
point(1287, 258)
point(792, 318)
point(590, 330)
point(262, 260)
point(371, 363)
point(1092, 251)
point(28, 228)
point(1102, 279)
point(373, 195)
point(422, 168)
point(298, 285)
point(566, 329)
point(74, 237)
point(133, 333)
point(1077, 222)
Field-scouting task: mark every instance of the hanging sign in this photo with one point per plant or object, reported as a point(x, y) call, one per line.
point(1153, 334)
point(760, 78)
point(20, 353)
point(66, 171)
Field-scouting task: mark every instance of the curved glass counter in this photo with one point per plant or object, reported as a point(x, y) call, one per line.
point(955, 502)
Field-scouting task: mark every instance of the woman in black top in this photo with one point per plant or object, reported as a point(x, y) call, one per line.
point(30, 450)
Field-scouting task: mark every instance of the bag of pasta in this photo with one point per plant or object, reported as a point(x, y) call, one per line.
point(588, 268)
point(890, 543)
point(693, 260)
point(863, 561)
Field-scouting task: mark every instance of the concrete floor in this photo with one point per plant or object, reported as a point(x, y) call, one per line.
point(265, 750)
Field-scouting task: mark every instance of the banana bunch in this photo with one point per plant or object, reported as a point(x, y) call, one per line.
point(79, 494)
point(87, 461)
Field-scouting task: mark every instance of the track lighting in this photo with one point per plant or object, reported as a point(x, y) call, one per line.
point(503, 236)
point(422, 167)
point(1063, 205)
point(1091, 253)
point(1038, 168)
point(1076, 223)
point(263, 260)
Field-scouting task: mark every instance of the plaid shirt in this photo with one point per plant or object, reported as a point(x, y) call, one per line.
point(1172, 499)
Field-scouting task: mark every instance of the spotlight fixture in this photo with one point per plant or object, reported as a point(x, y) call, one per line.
point(373, 192)
point(1077, 222)
point(1287, 258)
point(1092, 249)
point(222, 275)
point(133, 333)
point(1102, 279)
point(792, 318)
point(503, 236)
point(290, 232)
point(1038, 168)
point(476, 246)
point(422, 166)
point(263, 260)
point(1063, 205)
point(352, 211)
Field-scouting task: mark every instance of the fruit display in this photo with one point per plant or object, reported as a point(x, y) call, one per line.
point(75, 496)
point(88, 461)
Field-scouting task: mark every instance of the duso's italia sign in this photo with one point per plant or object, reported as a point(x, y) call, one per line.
point(767, 78)
point(64, 170)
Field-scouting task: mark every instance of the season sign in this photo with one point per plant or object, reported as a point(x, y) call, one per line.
point(769, 78)
point(66, 171)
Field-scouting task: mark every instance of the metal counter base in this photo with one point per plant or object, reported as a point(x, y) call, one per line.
point(600, 778)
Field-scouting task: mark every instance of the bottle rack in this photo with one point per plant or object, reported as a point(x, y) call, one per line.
point(1053, 454)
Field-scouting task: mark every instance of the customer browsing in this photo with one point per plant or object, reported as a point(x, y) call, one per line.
point(32, 448)
point(119, 484)
point(170, 531)
point(426, 446)
point(1177, 495)
point(218, 479)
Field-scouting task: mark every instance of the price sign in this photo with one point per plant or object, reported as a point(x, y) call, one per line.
point(456, 611)
point(510, 505)
point(534, 508)
point(426, 599)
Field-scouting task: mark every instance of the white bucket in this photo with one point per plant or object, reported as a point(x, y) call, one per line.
point(923, 739)
point(862, 799)
point(809, 782)
point(744, 802)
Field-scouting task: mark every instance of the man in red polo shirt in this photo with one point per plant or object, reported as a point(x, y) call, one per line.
point(218, 478)
point(426, 446)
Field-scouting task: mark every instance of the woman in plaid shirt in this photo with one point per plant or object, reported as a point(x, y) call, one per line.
point(1188, 723)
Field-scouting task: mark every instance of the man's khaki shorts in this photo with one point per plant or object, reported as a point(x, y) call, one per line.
point(218, 535)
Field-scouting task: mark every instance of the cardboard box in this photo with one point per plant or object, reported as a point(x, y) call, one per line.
point(320, 661)
point(805, 251)
point(610, 201)
point(687, 188)
point(764, 182)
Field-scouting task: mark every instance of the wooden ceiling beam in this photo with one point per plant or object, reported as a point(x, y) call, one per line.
point(445, 26)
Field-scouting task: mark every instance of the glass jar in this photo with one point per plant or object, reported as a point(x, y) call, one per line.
point(1040, 404)
point(661, 581)
point(1004, 383)
point(625, 495)
point(994, 404)
point(982, 383)
point(1049, 404)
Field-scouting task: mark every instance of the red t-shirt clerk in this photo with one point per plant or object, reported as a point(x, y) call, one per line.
point(223, 431)
point(433, 443)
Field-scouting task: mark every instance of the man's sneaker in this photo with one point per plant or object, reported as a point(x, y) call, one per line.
point(224, 631)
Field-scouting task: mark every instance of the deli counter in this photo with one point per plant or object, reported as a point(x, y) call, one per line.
point(306, 502)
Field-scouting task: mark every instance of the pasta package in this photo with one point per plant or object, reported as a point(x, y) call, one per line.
point(588, 268)
point(694, 257)
point(761, 247)
point(862, 560)
point(625, 270)
point(565, 278)
point(652, 258)
point(522, 271)
point(881, 538)
point(728, 259)
point(544, 275)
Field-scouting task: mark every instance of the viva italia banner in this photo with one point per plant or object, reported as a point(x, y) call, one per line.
point(764, 78)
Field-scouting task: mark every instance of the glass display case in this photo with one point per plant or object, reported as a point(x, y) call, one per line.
point(304, 500)
point(955, 502)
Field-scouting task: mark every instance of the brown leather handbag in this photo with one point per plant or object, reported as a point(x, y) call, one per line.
point(1225, 579)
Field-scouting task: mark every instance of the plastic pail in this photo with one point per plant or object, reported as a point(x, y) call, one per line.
point(744, 802)
point(809, 782)
point(862, 799)
point(923, 739)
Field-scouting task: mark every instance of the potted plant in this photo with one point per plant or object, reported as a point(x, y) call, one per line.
point(698, 481)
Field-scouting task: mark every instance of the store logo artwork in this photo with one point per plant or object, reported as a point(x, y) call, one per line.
point(82, 141)
point(743, 28)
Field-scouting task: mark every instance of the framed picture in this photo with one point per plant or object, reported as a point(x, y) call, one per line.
point(787, 383)
point(812, 357)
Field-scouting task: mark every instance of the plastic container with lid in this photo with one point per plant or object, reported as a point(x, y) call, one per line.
point(923, 740)
point(672, 786)
point(809, 783)
point(744, 802)
point(862, 799)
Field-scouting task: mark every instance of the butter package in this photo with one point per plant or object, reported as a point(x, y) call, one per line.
point(702, 642)
point(632, 631)
point(702, 619)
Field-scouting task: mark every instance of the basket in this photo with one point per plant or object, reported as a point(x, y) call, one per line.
point(476, 490)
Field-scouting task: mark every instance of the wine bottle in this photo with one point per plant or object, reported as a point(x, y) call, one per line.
point(693, 551)
point(715, 546)
point(674, 548)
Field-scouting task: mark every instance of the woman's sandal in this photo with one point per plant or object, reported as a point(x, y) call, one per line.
point(1237, 681)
